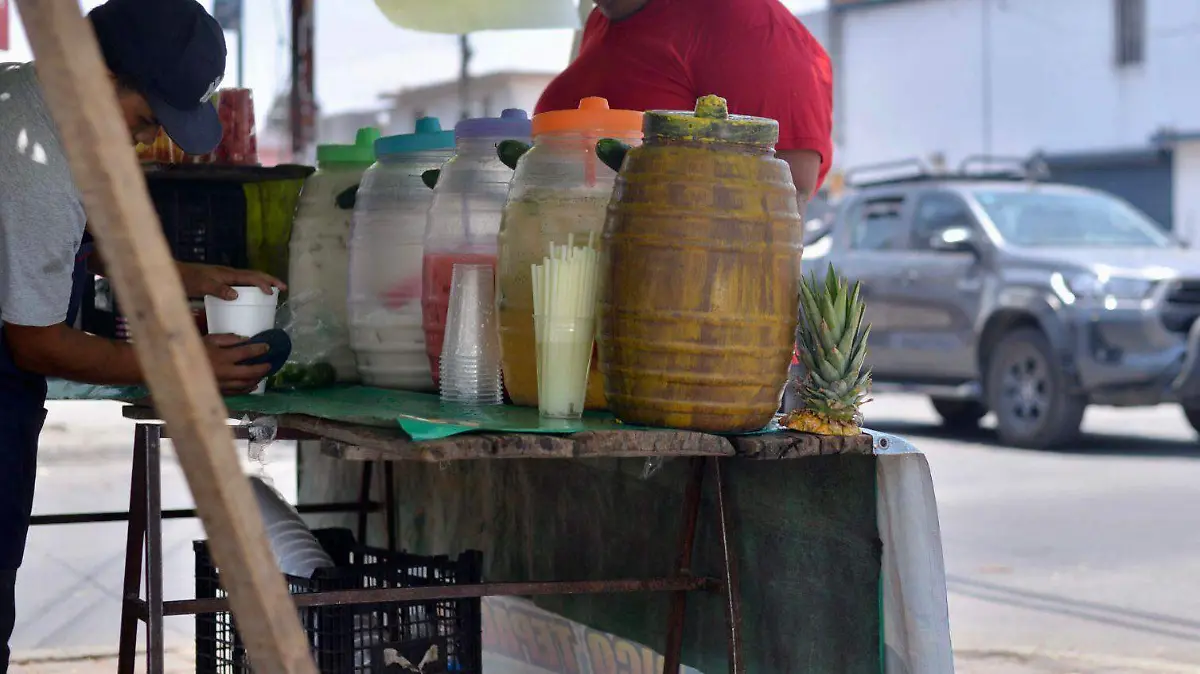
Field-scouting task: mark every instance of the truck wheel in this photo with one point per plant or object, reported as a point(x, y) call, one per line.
point(1192, 412)
point(959, 414)
point(1029, 393)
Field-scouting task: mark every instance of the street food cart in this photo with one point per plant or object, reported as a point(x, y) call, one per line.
point(761, 549)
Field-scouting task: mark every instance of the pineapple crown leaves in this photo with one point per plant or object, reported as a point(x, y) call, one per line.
point(831, 327)
point(834, 345)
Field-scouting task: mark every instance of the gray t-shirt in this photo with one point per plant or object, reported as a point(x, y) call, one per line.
point(41, 216)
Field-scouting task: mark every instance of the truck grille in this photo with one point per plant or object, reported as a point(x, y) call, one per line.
point(1183, 305)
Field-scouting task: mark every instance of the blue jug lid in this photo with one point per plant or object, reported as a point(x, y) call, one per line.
point(428, 136)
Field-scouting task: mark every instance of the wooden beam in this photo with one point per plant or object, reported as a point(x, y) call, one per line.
point(83, 103)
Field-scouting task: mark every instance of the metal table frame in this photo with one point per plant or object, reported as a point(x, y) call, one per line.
point(144, 540)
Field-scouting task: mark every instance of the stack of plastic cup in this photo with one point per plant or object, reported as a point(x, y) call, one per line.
point(469, 366)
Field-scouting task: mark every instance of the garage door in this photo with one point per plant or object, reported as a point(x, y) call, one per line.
point(1141, 177)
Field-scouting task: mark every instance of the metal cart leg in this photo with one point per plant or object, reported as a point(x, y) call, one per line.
point(389, 503)
point(687, 539)
point(134, 538)
point(733, 597)
point(154, 561)
point(364, 501)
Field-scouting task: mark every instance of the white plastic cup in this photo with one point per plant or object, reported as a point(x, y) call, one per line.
point(251, 313)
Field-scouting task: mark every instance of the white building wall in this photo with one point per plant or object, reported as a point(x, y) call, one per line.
point(1187, 191)
point(915, 77)
point(516, 93)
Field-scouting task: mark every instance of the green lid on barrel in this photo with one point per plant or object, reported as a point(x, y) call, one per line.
point(711, 122)
point(361, 152)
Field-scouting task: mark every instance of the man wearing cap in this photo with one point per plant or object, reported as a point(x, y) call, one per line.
point(166, 59)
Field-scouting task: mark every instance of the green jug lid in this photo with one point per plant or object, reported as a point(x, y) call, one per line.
point(427, 136)
point(710, 121)
point(361, 152)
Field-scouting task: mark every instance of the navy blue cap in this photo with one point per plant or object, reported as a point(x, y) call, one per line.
point(174, 52)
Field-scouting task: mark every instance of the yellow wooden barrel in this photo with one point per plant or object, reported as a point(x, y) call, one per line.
point(703, 241)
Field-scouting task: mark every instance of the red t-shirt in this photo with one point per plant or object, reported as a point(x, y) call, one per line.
point(752, 53)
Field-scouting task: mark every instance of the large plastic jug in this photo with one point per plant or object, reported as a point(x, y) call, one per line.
point(703, 238)
point(319, 255)
point(560, 188)
point(386, 250)
point(464, 217)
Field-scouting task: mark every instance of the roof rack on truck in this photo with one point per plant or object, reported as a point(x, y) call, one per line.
point(973, 167)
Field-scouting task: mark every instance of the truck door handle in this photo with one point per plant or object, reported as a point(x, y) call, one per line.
point(909, 276)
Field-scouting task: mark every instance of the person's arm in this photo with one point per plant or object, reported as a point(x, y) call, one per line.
point(200, 280)
point(39, 234)
point(61, 351)
point(806, 173)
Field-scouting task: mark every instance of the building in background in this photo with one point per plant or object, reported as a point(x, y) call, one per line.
point(487, 96)
point(341, 128)
point(1104, 89)
point(819, 23)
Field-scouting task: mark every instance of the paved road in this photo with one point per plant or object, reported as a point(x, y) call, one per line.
point(1076, 561)
point(1059, 562)
point(70, 583)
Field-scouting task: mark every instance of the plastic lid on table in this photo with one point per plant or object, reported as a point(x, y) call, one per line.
point(427, 136)
point(593, 114)
point(512, 123)
point(361, 152)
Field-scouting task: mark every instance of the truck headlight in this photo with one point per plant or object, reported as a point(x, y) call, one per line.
point(1101, 287)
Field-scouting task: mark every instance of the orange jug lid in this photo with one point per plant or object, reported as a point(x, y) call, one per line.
point(711, 122)
point(592, 115)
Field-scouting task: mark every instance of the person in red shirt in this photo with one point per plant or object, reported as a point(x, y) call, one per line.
point(664, 54)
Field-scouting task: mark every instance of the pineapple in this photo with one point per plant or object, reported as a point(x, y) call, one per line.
point(832, 346)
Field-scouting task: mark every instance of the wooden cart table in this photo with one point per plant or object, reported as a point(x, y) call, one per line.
point(705, 454)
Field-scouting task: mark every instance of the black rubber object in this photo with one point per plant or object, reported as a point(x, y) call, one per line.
point(279, 347)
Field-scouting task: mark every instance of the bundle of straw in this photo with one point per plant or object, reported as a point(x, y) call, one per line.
point(565, 286)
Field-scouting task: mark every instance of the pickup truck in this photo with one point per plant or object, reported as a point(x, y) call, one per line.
point(1028, 299)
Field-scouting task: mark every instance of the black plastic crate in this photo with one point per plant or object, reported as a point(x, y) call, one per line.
point(204, 221)
point(204, 208)
point(356, 639)
point(208, 217)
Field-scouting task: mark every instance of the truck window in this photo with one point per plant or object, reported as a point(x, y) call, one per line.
point(937, 212)
point(878, 224)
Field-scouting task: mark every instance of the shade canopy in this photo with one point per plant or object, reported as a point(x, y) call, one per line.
point(467, 16)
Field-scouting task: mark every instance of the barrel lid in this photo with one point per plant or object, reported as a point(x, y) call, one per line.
point(710, 121)
point(593, 114)
point(427, 136)
point(361, 152)
point(512, 123)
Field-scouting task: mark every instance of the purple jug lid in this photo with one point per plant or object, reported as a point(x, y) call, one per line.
point(512, 123)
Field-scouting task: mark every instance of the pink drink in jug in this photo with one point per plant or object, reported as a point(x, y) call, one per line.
point(438, 271)
point(464, 217)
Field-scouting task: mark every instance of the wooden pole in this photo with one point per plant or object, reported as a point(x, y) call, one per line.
point(302, 100)
point(83, 103)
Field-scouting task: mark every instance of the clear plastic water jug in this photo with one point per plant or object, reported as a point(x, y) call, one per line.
point(464, 218)
point(386, 252)
point(319, 256)
point(560, 188)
